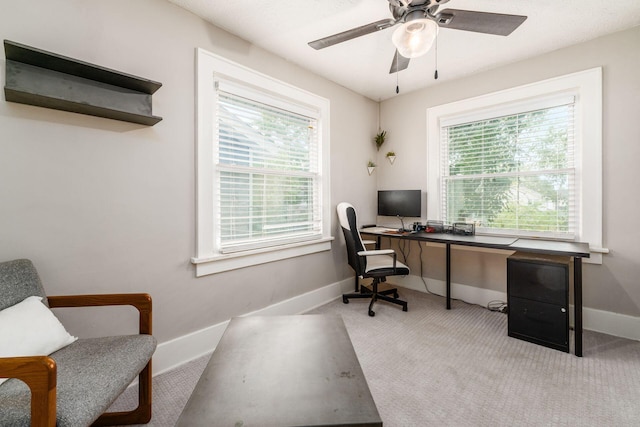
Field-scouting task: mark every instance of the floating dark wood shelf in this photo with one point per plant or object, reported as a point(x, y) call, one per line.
point(46, 79)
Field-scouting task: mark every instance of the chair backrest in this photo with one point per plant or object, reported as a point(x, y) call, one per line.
point(19, 280)
point(348, 223)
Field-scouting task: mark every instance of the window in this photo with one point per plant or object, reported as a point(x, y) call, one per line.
point(512, 174)
point(514, 162)
point(262, 168)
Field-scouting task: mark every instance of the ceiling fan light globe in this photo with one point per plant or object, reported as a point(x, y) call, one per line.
point(414, 38)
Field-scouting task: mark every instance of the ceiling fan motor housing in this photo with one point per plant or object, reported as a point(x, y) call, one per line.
point(407, 10)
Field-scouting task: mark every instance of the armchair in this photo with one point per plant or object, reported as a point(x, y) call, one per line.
point(75, 385)
point(375, 264)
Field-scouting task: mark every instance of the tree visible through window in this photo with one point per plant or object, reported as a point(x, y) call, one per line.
point(268, 173)
point(513, 173)
point(263, 168)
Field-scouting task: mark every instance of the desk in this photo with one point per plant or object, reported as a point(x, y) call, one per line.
point(576, 250)
point(282, 371)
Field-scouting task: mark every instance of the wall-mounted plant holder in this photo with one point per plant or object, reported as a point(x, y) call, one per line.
point(45, 79)
point(391, 156)
point(371, 167)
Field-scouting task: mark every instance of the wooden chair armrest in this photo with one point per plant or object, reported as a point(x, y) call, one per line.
point(40, 374)
point(142, 302)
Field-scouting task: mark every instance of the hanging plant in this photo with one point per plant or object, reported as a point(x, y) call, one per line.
point(380, 138)
point(391, 155)
point(371, 167)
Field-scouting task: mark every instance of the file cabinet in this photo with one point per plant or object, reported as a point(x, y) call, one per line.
point(538, 299)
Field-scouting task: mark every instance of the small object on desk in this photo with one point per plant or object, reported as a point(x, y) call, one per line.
point(464, 228)
point(434, 226)
point(391, 231)
point(417, 226)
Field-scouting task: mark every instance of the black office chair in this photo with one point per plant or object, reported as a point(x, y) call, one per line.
point(375, 264)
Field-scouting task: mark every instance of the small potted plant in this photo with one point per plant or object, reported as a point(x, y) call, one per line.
point(380, 138)
point(391, 155)
point(371, 167)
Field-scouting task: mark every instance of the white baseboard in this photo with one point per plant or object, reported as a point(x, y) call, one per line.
point(178, 351)
point(619, 325)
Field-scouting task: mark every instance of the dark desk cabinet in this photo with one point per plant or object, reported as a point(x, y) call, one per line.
point(538, 299)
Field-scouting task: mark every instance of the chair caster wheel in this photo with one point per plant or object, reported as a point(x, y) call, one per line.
point(372, 313)
point(345, 300)
point(404, 308)
point(396, 295)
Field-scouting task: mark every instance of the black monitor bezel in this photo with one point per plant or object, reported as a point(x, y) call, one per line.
point(404, 211)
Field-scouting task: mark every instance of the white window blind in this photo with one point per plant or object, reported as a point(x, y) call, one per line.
point(267, 172)
point(513, 174)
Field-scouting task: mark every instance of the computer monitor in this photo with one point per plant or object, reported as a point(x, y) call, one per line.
point(402, 203)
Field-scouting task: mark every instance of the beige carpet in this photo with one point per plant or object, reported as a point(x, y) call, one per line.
point(430, 366)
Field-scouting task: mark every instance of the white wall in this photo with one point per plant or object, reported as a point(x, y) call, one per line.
point(613, 286)
point(107, 206)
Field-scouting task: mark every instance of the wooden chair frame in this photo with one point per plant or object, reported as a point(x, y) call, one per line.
point(40, 372)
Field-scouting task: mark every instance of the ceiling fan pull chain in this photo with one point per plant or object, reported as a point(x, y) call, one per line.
point(397, 84)
point(435, 75)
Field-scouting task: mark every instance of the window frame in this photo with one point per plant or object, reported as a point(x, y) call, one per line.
point(586, 86)
point(209, 259)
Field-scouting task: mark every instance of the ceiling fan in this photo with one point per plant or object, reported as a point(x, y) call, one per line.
point(420, 21)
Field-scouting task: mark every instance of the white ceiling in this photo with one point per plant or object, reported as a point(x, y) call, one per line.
point(284, 27)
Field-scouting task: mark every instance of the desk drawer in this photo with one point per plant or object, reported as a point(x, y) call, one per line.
point(539, 281)
point(539, 323)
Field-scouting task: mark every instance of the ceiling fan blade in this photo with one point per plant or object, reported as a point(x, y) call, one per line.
point(352, 33)
point(479, 22)
point(399, 63)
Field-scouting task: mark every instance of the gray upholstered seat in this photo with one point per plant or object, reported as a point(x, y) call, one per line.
point(91, 373)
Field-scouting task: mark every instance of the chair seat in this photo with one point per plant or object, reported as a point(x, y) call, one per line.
point(92, 373)
point(384, 264)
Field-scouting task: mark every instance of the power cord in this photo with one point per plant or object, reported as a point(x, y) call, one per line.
point(422, 272)
point(495, 305)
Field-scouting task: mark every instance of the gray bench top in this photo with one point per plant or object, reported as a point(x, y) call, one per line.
point(282, 371)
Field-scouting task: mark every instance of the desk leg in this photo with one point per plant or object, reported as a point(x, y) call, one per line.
point(448, 250)
point(577, 302)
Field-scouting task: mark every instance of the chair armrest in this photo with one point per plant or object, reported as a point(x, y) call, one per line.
point(381, 252)
point(377, 252)
point(40, 374)
point(142, 302)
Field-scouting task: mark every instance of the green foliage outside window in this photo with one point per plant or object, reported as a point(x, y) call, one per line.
point(513, 172)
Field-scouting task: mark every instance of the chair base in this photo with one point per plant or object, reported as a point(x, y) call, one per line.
point(374, 294)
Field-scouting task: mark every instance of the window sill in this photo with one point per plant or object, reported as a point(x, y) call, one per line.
point(219, 263)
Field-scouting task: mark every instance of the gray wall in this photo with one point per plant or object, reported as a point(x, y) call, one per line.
point(107, 206)
point(613, 286)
